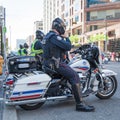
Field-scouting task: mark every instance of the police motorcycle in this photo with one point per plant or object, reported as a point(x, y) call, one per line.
point(99, 81)
point(30, 87)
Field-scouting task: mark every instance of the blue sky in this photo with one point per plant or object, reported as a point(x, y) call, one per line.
point(20, 17)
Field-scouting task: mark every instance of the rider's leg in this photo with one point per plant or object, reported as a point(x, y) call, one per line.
point(74, 80)
point(80, 104)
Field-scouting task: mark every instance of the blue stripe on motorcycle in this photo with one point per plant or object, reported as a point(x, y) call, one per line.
point(28, 92)
point(85, 68)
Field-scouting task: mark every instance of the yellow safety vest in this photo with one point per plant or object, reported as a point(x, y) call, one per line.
point(33, 51)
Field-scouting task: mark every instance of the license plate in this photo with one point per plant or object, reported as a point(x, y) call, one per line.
point(23, 60)
point(23, 65)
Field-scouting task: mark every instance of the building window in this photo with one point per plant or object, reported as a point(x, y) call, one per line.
point(117, 15)
point(72, 10)
point(76, 5)
point(93, 18)
point(90, 28)
point(95, 27)
point(78, 31)
point(57, 3)
point(58, 12)
point(76, 18)
point(81, 4)
point(81, 17)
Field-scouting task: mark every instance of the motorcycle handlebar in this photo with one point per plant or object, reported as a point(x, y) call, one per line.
point(76, 51)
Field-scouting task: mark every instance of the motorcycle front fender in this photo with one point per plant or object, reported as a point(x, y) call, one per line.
point(107, 72)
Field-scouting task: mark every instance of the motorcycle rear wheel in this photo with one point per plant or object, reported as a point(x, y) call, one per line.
point(31, 106)
point(109, 88)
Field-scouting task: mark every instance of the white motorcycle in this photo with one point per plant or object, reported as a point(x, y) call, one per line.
point(30, 88)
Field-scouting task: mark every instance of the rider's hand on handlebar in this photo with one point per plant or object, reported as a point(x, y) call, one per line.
point(75, 51)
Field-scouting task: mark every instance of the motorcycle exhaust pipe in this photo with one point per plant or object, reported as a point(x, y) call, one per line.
point(22, 102)
point(7, 102)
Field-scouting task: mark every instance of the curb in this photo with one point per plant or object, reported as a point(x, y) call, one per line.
point(9, 113)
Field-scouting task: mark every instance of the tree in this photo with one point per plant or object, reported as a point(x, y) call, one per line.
point(97, 37)
point(75, 40)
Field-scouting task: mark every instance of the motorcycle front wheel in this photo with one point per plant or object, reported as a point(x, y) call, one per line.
point(31, 106)
point(109, 89)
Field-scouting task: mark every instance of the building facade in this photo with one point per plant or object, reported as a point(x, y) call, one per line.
point(87, 18)
point(72, 11)
point(49, 13)
point(103, 17)
point(38, 25)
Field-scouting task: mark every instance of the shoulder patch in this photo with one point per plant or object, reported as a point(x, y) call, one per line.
point(43, 41)
point(59, 38)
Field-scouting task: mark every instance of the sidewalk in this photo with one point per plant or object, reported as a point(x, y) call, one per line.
point(2, 77)
point(6, 112)
point(9, 113)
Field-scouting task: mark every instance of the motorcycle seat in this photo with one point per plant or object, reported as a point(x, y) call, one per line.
point(49, 70)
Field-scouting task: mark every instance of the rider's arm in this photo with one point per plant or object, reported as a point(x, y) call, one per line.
point(63, 43)
point(38, 45)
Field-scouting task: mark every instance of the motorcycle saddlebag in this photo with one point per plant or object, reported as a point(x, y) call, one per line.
point(21, 64)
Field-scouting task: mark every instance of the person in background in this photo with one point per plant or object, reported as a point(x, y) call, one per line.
point(25, 49)
point(118, 56)
point(36, 47)
point(20, 50)
point(113, 56)
point(102, 56)
point(55, 46)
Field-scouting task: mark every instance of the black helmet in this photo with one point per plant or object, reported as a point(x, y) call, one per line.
point(21, 46)
point(26, 45)
point(39, 34)
point(59, 26)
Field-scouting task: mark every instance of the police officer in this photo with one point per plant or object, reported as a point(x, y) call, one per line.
point(20, 50)
point(55, 46)
point(25, 49)
point(36, 47)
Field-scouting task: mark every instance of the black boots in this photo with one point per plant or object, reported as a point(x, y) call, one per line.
point(80, 105)
point(84, 107)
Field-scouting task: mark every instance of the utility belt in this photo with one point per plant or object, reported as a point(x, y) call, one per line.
point(53, 63)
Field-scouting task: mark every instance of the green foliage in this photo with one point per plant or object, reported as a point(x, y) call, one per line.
point(76, 45)
point(97, 37)
point(74, 38)
point(4, 29)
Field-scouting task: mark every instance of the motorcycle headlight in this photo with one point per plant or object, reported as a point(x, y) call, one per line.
point(103, 75)
point(11, 62)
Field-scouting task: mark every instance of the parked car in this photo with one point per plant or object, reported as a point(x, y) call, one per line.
point(12, 54)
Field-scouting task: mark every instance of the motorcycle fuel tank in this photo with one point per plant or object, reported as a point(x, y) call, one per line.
point(80, 66)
